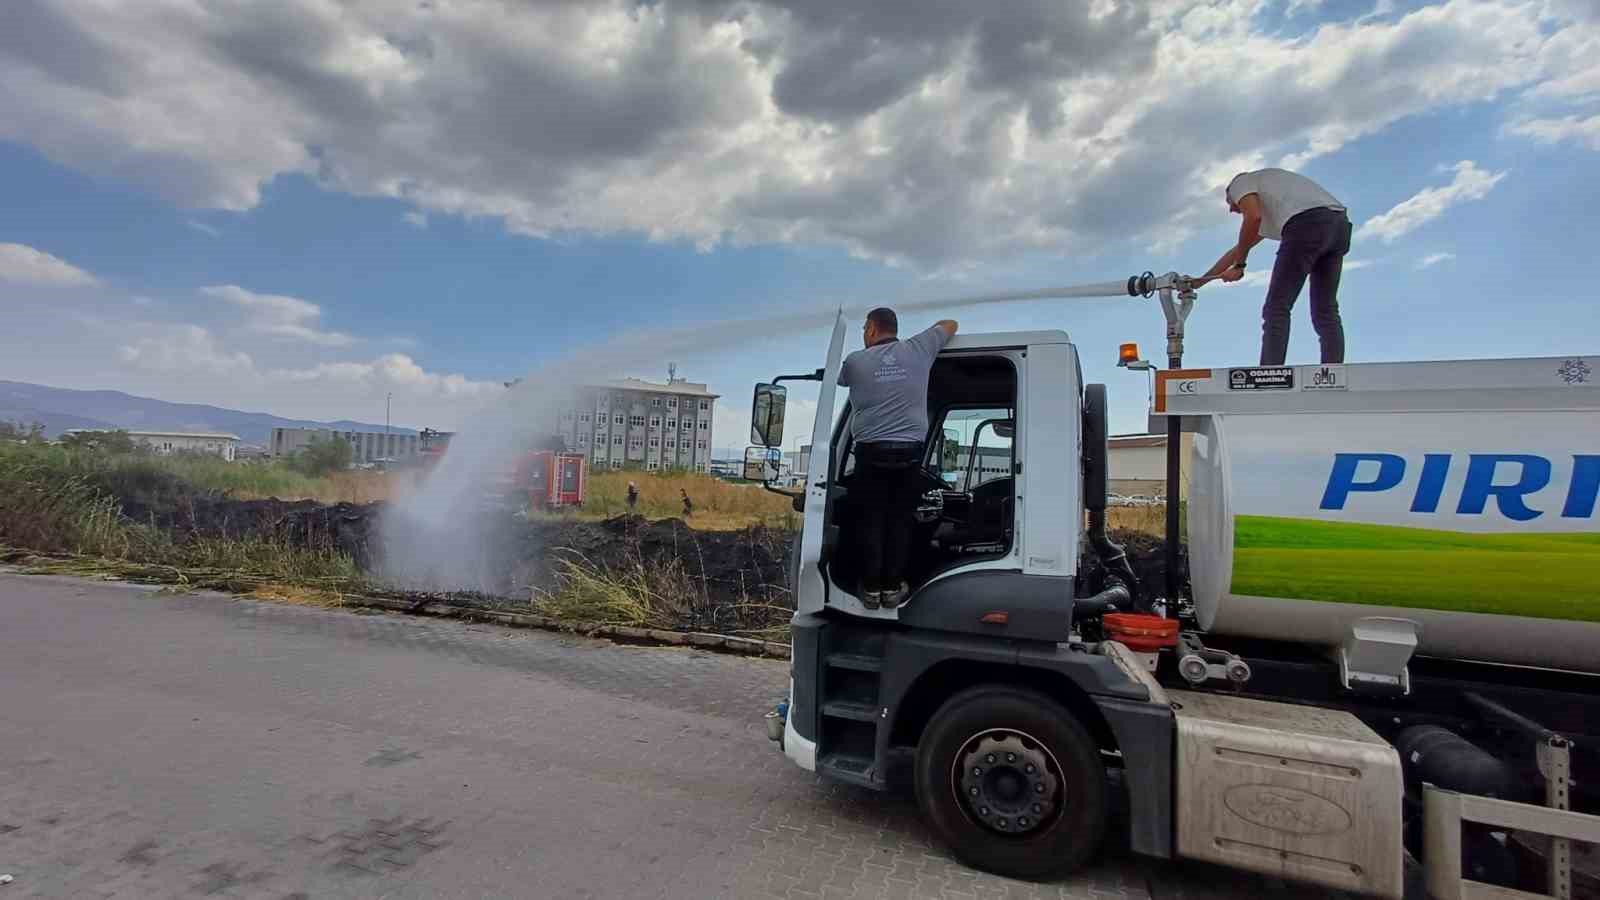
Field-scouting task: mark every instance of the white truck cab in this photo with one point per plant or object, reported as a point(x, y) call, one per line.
point(981, 512)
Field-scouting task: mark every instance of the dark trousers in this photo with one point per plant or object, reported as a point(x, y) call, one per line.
point(1314, 244)
point(885, 489)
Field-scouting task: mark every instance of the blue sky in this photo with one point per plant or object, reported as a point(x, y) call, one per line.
point(307, 207)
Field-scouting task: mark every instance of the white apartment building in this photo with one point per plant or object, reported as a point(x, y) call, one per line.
point(365, 446)
point(165, 443)
point(642, 424)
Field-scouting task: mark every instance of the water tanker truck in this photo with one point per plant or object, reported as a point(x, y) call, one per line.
point(1377, 634)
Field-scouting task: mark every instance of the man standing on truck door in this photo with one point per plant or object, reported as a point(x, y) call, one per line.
point(888, 382)
point(1314, 234)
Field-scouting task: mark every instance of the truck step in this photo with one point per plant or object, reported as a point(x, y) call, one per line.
point(860, 662)
point(844, 767)
point(844, 709)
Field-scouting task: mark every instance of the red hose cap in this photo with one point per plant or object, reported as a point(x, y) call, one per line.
point(1140, 631)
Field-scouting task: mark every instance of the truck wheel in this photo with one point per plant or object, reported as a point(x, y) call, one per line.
point(1012, 783)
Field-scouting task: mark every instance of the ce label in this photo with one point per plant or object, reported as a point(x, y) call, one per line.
point(1188, 387)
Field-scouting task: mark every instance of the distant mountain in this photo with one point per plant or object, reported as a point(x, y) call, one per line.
point(59, 409)
point(54, 423)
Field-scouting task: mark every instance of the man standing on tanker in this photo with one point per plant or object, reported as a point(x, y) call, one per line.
point(888, 382)
point(1314, 234)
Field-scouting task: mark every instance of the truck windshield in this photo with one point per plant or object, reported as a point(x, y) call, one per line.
point(975, 447)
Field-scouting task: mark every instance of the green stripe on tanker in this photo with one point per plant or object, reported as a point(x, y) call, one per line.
point(1548, 575)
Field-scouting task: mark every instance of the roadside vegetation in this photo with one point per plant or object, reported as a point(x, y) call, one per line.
point(718, 505)
point(1151, 520)
point(64, 503)
point(691, 587)
point(100, 510)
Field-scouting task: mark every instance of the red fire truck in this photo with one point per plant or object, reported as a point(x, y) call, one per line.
point(554, 480)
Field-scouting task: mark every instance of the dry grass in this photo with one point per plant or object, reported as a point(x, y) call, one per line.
point(184, 575)
point(639, 595)
point(1147, 519)
point(298, 596)
point(718, 505)
point(274, 480)
point(61, 502)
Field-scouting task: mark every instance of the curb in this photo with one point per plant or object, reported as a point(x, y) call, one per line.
point(623, 634)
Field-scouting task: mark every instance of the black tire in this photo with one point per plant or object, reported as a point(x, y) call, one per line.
point(1072, 834)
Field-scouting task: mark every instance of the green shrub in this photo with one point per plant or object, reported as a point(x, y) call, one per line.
point(112, 442)
point(322, 457)
point(19, 431)
point(65, 501)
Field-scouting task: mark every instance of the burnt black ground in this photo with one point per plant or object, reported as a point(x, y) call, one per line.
point(732, 580)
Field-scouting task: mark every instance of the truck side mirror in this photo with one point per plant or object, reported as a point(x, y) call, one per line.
point(950, 450)
point(760, 464)
point(766, 415)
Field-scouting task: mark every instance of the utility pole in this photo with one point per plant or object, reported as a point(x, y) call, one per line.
point(386, 402)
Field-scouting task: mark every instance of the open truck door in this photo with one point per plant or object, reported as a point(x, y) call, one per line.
point(811, 587)
point(814, 500)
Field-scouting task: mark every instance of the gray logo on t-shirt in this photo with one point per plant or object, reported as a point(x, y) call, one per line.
point(889, 387)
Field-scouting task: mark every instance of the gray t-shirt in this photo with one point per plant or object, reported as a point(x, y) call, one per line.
point(889, 387)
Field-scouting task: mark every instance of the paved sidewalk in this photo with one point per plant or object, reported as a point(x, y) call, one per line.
point(156, 745)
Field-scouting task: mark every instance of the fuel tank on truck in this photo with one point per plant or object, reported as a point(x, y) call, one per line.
point(1461, 496)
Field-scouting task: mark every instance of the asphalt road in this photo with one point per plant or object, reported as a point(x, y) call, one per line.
point(160, 745)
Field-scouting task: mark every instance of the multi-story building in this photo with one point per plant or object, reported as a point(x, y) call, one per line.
point(165, 443)
point(642, 424)
point(365, 446)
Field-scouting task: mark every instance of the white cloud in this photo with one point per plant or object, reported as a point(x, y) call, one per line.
point(25, 265)
point(212, 354)
point(1433, 259)
point(1571, 58)
point(1469, 183)
point(962, 133)
point(389, 370)
point(416, 219)
point(280, 315)
point(205, 229)
point(185, 349)
point(1569, 128)
point(163, 359)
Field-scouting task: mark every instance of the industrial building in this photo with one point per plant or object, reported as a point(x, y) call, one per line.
point(165, 443)
point(642, 424)
point(1138, 464)
point(365, 446)
point(799, 461)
